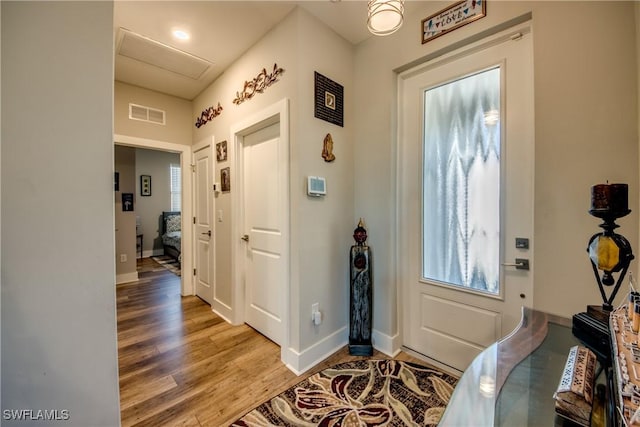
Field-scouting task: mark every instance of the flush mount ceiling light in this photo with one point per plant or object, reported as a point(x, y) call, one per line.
point(180, 34)
point(385, 16)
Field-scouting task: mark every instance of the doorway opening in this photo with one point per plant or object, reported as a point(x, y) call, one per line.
point(184, 152)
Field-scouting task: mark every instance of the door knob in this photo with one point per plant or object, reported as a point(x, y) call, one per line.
point(245, 237)
point(208, 233)
point(520, 264)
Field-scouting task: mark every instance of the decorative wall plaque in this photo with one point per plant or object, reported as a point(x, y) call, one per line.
point(258, 84)
point(329, 100)
point(208, 115)
point(452, 17)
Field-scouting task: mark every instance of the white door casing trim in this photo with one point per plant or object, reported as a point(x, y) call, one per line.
point(275, 113)
point(186, 154)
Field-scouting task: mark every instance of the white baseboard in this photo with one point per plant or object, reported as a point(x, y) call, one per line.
point(126, 278)
point(224, 314)
point(153, 252)
point(300, 362)
point(389, 345)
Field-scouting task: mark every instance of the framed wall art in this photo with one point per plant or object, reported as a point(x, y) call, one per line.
point(329, 100)
point(145, 185)
point(127, 202)
point(221, 151)
point(225, 179)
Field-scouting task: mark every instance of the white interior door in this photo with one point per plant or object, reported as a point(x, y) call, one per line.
point(264, 207)
point(466, 193)
point(203, 189)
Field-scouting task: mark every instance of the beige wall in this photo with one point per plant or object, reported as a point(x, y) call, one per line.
point(149, 208)
point(271, 49)
point(320, 229)
point(586, 133)
point(637, 10)
point(59, 347)
point(179, 121)
point(125, 237)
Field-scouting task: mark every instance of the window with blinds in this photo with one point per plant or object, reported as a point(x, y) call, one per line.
point(176, 187)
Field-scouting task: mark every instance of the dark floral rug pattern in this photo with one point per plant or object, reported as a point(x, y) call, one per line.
point(360, 393)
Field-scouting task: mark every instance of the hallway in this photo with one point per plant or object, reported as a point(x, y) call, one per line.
point(181, 364)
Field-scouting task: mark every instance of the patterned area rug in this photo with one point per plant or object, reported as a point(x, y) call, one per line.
point(359, 393)
point(169, 263)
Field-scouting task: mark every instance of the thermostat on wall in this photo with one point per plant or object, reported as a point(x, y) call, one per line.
point(316, 186)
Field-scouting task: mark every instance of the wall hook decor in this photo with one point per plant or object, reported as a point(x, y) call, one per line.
point(258, 84)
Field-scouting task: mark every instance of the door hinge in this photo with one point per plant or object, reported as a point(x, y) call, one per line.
point(194, 271)
point(194, 219)
point(193, 168)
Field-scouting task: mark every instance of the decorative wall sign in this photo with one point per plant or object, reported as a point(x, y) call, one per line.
point(452, 17)
point(329, 100)
point(127, 202)
point(258, 84)
point(221, 151)
point(225, 178)
point(208, 115)
point(327, 149)
point(145, 185)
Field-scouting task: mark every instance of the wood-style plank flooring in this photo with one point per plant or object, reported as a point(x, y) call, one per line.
point(182, 365)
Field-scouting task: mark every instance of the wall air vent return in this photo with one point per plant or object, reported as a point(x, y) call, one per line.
point(146, 114)
point(144, 49)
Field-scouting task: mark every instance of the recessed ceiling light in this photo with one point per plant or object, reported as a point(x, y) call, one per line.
point(181, 34)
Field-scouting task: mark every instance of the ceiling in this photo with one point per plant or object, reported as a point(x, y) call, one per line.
point(220, 32)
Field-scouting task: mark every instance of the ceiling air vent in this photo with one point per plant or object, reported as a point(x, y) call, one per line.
point(146, 114)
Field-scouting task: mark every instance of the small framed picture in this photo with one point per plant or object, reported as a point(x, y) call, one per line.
point(225, 179)
point(221, 151)
point(330, 100)
point(127, 202)
point(145, 185)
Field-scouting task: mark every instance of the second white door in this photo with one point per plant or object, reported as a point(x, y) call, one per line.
point(203, 224)
point(264, 207)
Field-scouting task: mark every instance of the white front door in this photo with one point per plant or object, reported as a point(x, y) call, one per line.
point(466, 193)
point(203, 199)
point(264, 206)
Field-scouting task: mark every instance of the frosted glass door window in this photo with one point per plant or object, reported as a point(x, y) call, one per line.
point(461, 182)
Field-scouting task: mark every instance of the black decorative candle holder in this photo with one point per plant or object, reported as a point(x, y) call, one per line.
point(609, 252)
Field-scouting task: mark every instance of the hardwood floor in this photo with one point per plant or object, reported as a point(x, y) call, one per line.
point(182, 365)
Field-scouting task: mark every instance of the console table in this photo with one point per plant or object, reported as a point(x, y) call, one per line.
point(512, 382)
